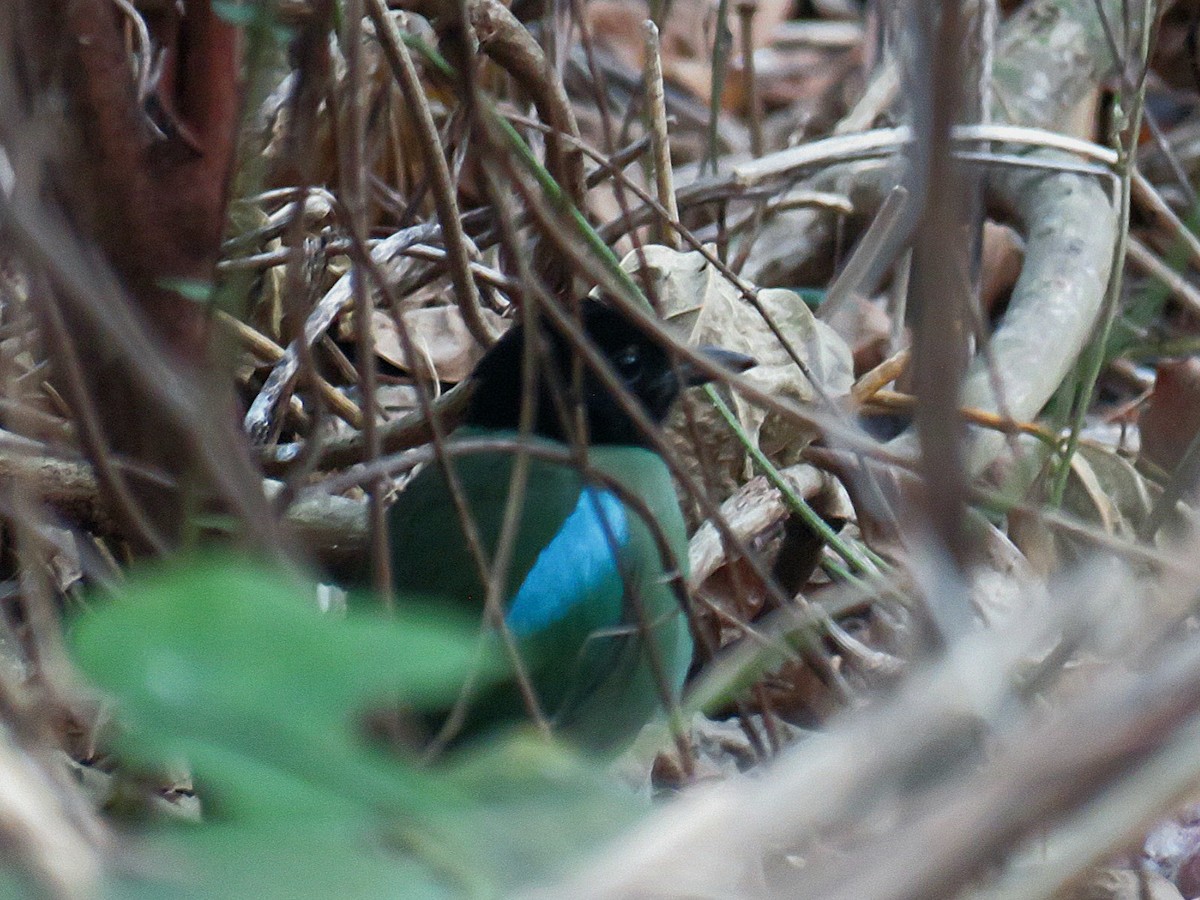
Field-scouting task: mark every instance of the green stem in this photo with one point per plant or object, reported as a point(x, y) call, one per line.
point(555, 193)
point(1095, 358)
point(794, 501)
point(869, 565)
point(836, 570)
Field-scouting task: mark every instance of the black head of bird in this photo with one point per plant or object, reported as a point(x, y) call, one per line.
point(643, 366)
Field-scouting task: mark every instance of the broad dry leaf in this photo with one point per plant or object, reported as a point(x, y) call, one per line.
point(1172, 417)
point(706, 309)
point(1105, 488)
point(440, 337)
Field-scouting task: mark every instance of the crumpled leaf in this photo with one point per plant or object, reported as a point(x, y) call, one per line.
point(441, 338)
point(697, 300)
point(1172, 417)
point(1105, 488)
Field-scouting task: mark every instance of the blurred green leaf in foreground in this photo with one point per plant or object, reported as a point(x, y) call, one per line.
point(232, 670)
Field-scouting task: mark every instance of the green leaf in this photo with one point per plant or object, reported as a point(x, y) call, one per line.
point(288, 859)
point(235, 669)
point(549, 808)
point(223, 637)
point(231, 668)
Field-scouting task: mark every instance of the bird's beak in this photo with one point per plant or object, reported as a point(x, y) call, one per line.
point(730, 359)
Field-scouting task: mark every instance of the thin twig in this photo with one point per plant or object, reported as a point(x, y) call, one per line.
point(1150, 201)
point(354, 196)
point(1126, 167)
point(268, 351)
point(1182, 291)
point(405, 72)
point(656, 107)
point(746, 10)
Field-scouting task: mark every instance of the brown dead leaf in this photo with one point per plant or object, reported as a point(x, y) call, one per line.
point(819, 82)
point(1172, 60)
point(1172, 417)
point(440, 336)
point(1105, 488)
point(697, 300)
point(1003, 256)
point(797, 694)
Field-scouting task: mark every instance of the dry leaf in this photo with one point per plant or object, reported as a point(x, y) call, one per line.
point(1003, 257)
point(1005, 584)
point(1105, 488)
point(1172, 416)
point(441, 338)
point(698, 301)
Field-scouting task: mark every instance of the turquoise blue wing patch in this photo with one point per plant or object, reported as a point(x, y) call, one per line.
point(578, 562)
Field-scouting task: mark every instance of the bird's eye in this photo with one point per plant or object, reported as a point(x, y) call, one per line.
point(629, 361)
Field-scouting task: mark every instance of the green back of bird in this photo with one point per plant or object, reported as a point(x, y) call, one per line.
point(591, 666)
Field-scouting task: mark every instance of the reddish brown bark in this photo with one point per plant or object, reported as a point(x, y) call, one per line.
point(157, 201)
point(145, 179)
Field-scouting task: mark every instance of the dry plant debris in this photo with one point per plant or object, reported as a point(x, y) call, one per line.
point(943, 557)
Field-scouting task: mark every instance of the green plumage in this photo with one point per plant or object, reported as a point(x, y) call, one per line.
point(591, 665)
point(598, 624)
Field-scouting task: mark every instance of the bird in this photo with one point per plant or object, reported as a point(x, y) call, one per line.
point(587, 599)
